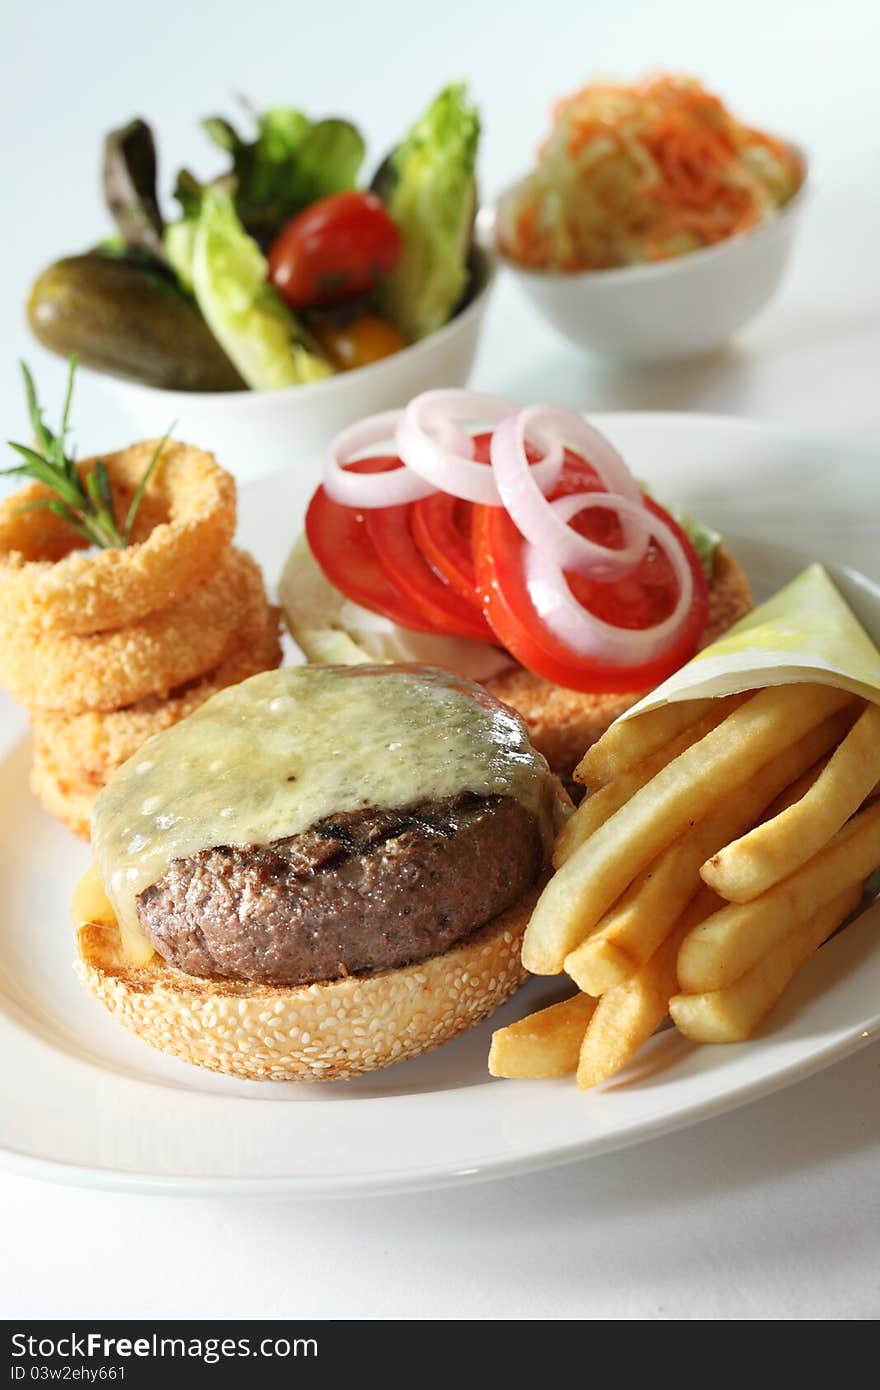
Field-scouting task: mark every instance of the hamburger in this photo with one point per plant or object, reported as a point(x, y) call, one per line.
point(321, 871)
point(568, 594)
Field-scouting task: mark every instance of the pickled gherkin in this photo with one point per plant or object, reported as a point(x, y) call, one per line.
point(128, 318)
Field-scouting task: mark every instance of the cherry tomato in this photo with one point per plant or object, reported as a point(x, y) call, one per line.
point(639, 600)
point(339, 541)
point(366, 339)
point(339, 247)
point(390, 530)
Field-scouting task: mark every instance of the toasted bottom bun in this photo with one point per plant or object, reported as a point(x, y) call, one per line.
point(564, 723)
point(319, 1032)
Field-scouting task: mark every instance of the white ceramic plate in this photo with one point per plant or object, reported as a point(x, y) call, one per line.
point(83, 1102)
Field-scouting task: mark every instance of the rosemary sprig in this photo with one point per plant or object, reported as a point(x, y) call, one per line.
point(85, 504)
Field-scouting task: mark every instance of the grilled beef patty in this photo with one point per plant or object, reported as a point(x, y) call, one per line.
point(359, 891)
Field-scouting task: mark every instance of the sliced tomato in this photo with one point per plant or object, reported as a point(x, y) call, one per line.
point(340, 543)
point(390, 530)
point(642, 598)
point(441, 527)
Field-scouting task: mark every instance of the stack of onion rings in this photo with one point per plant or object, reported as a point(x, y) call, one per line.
point(90, 747)
point(184, 525)
point(47, 672)
point(62, 797)
point(105, 648)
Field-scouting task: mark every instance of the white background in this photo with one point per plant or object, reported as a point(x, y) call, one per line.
point(770, 1212)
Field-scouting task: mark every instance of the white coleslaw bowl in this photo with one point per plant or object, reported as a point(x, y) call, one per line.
point(670, 310)
point(257, 433)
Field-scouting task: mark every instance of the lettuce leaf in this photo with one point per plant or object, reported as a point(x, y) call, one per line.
point(292, 162)
point(703, 538)
point(129, 177)
point(429, 187)
point(259, 334)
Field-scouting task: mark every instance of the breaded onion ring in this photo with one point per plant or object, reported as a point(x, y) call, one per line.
point(88, 748)
point(66, 800)
point(106, 670)
point(185, 522)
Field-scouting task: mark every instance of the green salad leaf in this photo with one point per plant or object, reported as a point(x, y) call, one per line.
point(702, 537)
point(705, 539)
point(259, 334)
point(178, 238)
point(292, 162)
point(428, 185)
point(129, 176)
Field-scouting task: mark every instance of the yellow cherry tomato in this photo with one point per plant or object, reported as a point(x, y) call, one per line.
point(366, 339)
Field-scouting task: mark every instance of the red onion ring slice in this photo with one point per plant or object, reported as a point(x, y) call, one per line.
point(422, 442)
point(586, 440)
point(368, 490)
point(587, 635)
point(540, 521)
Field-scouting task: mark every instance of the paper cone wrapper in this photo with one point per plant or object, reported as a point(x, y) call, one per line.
point(806, 632)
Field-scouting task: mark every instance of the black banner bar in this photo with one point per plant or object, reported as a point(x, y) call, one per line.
point(117, 1355)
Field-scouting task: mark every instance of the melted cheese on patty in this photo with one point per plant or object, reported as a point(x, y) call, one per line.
point(282, 751)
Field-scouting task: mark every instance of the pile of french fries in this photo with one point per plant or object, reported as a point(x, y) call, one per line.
point(721, 842)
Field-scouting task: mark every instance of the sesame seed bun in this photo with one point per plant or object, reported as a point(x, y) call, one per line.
point(319, 1032)
point(564, 723)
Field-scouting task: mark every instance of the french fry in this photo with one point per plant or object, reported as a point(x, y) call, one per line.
point(798, 788)
point(733, 1014)
point(731, 941)
point(586, 885)
point(546, 1043)
point(803, 784)
point(630, 741)
point(630, 933)
point(597, 808)
point(771, 851)
point(626, 1016)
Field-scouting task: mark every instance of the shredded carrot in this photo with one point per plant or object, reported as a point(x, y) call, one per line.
point(641, 172)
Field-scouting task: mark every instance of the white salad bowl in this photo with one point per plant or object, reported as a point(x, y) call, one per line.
point(257, 433)
point(670, 310)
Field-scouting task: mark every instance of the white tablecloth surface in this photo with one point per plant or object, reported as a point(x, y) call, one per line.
point(768, 1212)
